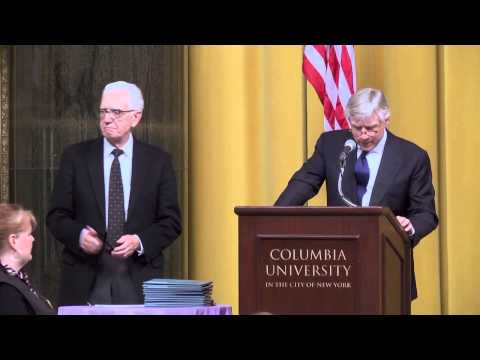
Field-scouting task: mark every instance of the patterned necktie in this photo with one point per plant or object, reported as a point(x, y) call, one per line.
point(116, 211)
point(362, 174)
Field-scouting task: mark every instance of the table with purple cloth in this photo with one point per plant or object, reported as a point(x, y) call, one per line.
point(144, 310)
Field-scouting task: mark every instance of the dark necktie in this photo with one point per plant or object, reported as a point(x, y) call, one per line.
point(116, 211)
point(362, 173)
point(114, 284)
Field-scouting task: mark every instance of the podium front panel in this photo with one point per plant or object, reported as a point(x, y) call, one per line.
point(322, 261)
point(305, 274)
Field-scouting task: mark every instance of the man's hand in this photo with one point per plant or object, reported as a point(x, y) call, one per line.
point(91, 243)
point(127, 245)
point(406, 224)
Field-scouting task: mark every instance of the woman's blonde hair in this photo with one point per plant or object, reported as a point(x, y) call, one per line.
point(12, 221)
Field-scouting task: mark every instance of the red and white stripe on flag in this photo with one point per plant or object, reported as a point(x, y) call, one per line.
point(331, 71)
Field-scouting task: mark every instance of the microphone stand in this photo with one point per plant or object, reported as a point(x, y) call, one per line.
point(340, 178)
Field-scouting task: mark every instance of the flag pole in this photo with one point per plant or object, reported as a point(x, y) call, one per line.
point(305, 114)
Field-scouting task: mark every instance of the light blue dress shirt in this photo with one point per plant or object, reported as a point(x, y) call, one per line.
point(125, 161)
point(373, 157)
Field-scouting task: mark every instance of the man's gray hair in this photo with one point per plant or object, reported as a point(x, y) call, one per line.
point(367, 101)
point(134, 91)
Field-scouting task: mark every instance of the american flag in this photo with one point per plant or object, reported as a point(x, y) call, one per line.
point(331, 71)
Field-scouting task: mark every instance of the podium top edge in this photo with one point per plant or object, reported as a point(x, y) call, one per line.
point(311, 210)
point(322, 211)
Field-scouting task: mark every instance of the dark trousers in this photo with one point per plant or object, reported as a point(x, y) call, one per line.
point(113, 284)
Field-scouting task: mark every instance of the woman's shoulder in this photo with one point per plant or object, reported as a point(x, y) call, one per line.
point(12, 301)
point(8, 291)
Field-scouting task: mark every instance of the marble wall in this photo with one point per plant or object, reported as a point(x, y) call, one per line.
point(54, 98)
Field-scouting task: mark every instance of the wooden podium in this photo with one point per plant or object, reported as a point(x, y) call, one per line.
point(323, 260)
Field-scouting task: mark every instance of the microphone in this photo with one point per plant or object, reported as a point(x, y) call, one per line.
point(348, 147)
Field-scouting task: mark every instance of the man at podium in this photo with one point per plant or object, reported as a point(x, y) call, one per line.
point(368, 165)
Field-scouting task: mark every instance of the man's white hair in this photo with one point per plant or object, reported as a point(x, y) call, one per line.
point(367, 101)
point(136, 97)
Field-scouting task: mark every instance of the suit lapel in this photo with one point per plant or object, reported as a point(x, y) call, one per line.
point(95, 168)
point(139, 174)
point(389, 166)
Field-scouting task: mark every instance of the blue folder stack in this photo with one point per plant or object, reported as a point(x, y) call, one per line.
point(177, 293)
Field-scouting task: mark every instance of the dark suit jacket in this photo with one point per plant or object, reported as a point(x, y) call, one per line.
point(17, 299)
point(403, 183)
point(78, 200)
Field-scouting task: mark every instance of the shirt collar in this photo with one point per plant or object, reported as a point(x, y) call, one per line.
point(127, 149)
point(381, 145)
point(12, 272)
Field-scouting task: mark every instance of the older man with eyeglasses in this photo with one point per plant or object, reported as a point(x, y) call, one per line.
point(114, 207)
point(384, 170)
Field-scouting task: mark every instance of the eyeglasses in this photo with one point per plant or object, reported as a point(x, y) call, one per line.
point(369, 130)
point(117, 113)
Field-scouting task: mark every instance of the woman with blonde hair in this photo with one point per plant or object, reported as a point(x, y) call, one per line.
point(17, 296)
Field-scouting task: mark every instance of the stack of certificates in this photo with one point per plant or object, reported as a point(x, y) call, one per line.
point(177, 293)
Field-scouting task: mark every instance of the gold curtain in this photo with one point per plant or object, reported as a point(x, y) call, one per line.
point(253, 120)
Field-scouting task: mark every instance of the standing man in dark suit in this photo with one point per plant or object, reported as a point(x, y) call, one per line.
point(384, 170)
point(114, 207)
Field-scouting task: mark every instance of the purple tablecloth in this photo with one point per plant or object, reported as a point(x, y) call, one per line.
point(143, 310)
